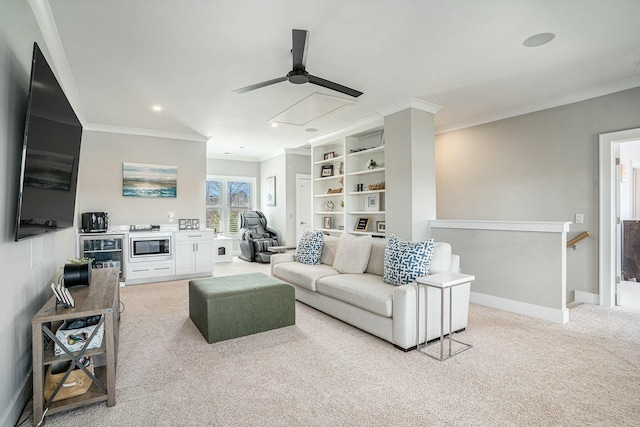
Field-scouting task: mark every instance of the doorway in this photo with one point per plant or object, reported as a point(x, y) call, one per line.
point(303, 204)
point(609, 223)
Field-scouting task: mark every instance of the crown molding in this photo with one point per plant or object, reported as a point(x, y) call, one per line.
point(44, 17)
point(572, 98)
point(145, 132)
point(366, 123)
point(417, 103)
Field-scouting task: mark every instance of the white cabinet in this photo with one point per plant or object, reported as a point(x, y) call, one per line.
point(140, 272)
point(349, 182)
point(194, 253)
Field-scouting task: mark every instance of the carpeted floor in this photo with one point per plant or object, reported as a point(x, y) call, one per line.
point(322, 372)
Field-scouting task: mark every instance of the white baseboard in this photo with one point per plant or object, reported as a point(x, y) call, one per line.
point(14, 409)
point(586, 297)
point(518, 307)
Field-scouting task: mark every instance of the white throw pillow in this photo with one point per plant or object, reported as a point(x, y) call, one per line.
point(353, 254)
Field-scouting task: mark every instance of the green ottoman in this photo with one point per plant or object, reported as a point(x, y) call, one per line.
point(234, 306)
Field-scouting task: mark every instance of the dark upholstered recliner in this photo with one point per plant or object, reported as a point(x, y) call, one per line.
point(256, 237)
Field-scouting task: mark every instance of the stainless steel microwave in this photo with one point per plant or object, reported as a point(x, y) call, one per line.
point(150, 246)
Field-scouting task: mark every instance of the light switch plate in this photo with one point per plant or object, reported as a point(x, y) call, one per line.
point(579, 218)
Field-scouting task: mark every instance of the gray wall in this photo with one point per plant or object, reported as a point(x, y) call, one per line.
point(28, 266)
point(541, 166)
point(233, 168)
point(276, 215)
point(100, 177)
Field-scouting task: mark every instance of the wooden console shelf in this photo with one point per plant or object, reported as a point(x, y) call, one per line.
point(100, 298)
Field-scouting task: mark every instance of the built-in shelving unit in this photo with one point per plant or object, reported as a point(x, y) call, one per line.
point(352, 162)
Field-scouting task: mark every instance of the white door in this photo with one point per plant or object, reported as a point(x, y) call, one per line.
point(303, 204)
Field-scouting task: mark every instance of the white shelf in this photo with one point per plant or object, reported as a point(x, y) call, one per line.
point(330, 230)
point(323, 162)
point(367, 172)
point(329, 195)
point(355, 193)
point(366, 212)
point(368, 151)
point(329, 213)
point(327, 178)
point(376, 234)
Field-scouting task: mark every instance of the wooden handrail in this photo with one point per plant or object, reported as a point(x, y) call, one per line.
point(572, 242)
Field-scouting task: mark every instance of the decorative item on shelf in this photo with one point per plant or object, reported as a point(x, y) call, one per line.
point(328, 206)
point(381, 227)
point(327, 222)
point(189, 224)
point(372, 164)
point(334, 191)
point(373, 202)
point(377, 186)
point(329, 155)
point(341, 181)
point(342, 203)
point(327, 170)
point(362, 224)
point(341, 168)
point(359, 187)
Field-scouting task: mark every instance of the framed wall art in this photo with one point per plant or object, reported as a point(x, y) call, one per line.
point(271, 191)
point(147, 180)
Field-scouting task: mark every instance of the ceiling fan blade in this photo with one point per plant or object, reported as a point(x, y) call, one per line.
point(334, 86)
point(259, 85)
point(299, 49)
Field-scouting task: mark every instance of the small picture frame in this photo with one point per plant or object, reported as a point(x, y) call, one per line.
point(327, 222)
point(330, 155)
point(381, 227)
point(362, 224)
point(372, 202)
point(327, 170)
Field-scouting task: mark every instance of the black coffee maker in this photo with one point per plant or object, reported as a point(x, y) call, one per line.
point(95, 222)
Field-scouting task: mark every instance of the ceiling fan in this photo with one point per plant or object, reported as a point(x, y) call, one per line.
point(298, 74)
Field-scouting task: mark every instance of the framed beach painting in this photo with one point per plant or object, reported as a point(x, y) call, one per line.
point(147, 180)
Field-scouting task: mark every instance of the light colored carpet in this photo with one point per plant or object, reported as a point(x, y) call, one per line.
point(323, 372)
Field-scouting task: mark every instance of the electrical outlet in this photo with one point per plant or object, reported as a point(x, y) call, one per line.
point(579, 218)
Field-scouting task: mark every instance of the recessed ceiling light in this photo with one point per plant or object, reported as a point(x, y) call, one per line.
point(156, 108)
point(274, 125)
point(311, 130)
point(226, 152)
point(538, 39)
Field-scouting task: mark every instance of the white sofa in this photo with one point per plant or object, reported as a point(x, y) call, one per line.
point(368, 303)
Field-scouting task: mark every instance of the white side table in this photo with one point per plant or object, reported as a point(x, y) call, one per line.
point(222, 249)
point(440, 281)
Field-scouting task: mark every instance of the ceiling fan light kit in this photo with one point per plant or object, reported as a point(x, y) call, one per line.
point(299, 75)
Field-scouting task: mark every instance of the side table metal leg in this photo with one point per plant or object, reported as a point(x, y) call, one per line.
point(418, 317)
point(450, 317)
point(442, 324)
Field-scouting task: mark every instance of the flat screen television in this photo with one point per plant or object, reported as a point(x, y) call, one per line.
point(50, 154)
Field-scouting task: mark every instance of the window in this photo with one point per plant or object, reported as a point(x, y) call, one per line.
point(226, 198)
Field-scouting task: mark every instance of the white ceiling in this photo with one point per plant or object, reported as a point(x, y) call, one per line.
point(466, 55)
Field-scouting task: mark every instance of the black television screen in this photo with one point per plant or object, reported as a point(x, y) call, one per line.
point(50, 154)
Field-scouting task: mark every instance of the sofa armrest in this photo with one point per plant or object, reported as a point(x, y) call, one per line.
point(455, 263)
point(283, 257)
point(404, 315)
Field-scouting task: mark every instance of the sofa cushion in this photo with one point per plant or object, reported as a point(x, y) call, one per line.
point(353, 253)
point(406, 261)
point(366, 291)
point(329, 249)
point(376, 258)
point(309, 248)
point(441, 259)
point(302, 275)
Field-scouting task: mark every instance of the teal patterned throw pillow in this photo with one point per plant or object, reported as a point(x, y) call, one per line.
point(404, 261)
point(309, 248)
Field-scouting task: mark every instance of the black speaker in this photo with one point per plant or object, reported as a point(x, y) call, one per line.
point(77, 275)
